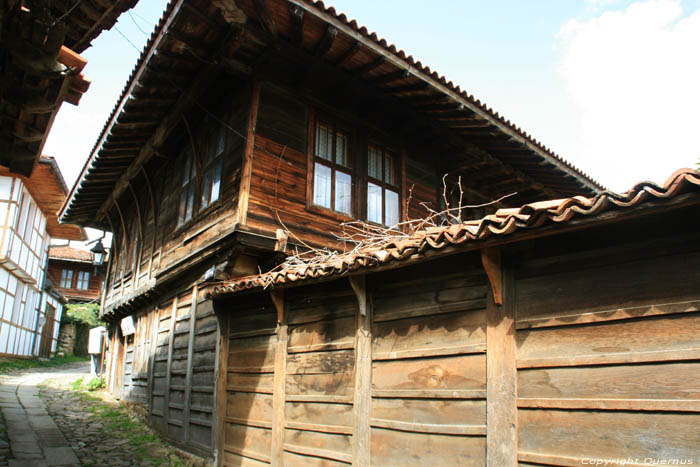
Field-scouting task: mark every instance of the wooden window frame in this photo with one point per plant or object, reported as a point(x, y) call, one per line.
point(398, 158)
point(313, 159)
point(79, 281)
point(72, 278)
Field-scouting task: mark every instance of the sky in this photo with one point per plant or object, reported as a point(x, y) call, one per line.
point(609, 85)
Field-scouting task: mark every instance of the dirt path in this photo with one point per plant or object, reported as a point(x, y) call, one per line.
point(91, 428)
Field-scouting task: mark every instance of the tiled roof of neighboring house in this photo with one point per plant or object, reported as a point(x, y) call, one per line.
point(70, 254)
point(503, 222)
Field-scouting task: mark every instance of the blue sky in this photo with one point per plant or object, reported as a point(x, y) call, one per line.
point(609, 85)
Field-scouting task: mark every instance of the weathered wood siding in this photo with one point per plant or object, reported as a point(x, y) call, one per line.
point(608, 350)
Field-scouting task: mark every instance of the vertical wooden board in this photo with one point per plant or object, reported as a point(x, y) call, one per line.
point(436, 333)
point(319, 414)
point(255, 440)
point(614, 342)
point(622, 285)
point(663, 381)
point(434, 412)
point(454, 372)
point(568, 436)
point(248, 405)
point(392, 448)
point(331, 442)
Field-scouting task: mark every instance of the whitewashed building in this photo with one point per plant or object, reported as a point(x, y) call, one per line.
point(30, 308)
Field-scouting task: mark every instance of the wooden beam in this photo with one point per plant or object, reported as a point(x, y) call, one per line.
point(190, 358)
point(368, 67)
point(501, 378)
point(221, 380)
point(168, 374)
point(247, 171)
point(265, 17)
point(491, 259)
point(347, 55)
point(155, 314)
point(296, 13)
point(362, 403)
point(326, 41)
point(278, 398)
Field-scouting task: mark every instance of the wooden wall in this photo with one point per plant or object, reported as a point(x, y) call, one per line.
point(294, 391)
point(608, 356)
point(169, 366)
point(73, 293)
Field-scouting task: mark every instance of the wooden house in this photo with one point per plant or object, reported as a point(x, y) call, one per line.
point(251, 129)
point(30, 309)
point(73, 274)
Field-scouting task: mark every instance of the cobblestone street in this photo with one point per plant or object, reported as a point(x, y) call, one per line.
point(48, 421)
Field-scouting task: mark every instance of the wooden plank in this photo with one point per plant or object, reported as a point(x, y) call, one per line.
point(445, 374)
point(429, 427)
point(345, 430)
point(251, 441)
point(327, 398)
point(501, 408)
point(391, 448)
point(221, 380)
point(460, 412)
point(247, 167)
point(624, 387)
point(293, 459)
point(362, 406)
point(654, 339)
point(155, 321)
point(278, 413)
point(323, 335)
point(442, 334)
point(190, 354)
point(242, 405)
point(168, 376)
point(574, 435)
point(318, 452)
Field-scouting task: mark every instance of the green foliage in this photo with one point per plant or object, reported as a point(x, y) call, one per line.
point(77, 384)
point(95, 383)
point(87, 313)
point(9, 364)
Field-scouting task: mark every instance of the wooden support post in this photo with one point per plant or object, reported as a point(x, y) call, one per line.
point(221, 382)
point(491, 259)
point(154, 350)
point(168, 374)
point(279, 380)
point(190, 357)
point(362, 403)
point(501, 371)
point(247, 169)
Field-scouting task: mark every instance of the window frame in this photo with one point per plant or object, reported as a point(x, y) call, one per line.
point(398, 162)
point(81, 279)
point(64, 272)
point(313, 158)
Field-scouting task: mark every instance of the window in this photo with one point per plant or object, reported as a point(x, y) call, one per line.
point(83, 280)
point(332, 169)
point(382, 187)
point(201, 179)
point(188, 188)
point(211, 168)
point(66, 279)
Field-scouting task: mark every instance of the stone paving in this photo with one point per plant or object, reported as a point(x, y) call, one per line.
point(34, 438)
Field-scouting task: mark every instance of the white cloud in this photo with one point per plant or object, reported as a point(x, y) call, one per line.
point(634, 74)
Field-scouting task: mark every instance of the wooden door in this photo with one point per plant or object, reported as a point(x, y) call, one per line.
point(47, 332)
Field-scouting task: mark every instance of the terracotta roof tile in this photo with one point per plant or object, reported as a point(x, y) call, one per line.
point(504, 222)
point(70, 253)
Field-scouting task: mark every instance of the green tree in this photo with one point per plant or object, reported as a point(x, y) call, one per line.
point(86, 313)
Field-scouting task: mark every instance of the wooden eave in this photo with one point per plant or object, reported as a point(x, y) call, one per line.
point(188, 40)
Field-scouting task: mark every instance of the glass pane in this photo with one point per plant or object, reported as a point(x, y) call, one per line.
point(188, 166)
point(183, 208)
point(391, 208)
point(389, 169)
point(322, 185)
point(374, 203)
point(343, 192)
point(324, 140)
point(206, 185)
point(216, 183)
point(374, 163)
point(341, 149)
point(190, 203)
